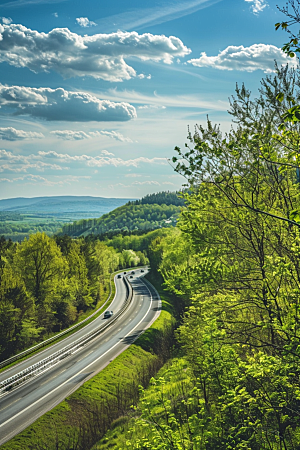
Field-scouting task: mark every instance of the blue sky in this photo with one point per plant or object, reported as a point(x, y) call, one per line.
point(95, 95)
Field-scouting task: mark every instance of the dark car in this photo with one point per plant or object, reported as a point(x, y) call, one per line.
point(142, 270)
point(108, 314)
point(131, 276)
point(132, 272)
point(125, 273)
point(119, 276)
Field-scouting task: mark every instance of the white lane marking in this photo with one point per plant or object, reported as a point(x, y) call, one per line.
point(82, 370)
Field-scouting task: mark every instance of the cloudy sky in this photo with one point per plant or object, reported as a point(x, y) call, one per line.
point(95, 95)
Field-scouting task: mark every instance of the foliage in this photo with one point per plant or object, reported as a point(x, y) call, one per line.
point(129, 217)
point(47, 283)
point(151, 212)
point(235, 261)
point(17, 227)
point(161, 198)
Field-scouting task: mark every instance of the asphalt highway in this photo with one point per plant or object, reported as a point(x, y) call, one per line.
point(115, 305)
point(22, 406)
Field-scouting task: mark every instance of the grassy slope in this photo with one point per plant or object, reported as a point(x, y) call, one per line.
point(107, 396)
point(129, 429)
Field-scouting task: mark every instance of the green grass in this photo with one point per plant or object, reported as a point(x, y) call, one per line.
point(128, 429)
point(104, 398)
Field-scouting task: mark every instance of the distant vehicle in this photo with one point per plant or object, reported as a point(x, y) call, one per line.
point(132, 272)
point(108, 314)
point(142, 270)
point(119, 276)
point(131, 276)
point(125, 273)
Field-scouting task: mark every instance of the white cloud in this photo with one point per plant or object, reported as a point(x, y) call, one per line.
point(177, 101)
point(85, 22)
point(53, 162)
point(160, 13)
point(106, 153)
point(11, 157)
point(257, 6)
point(11, 134)
point(18, 3)
point(79, 135)
point(9, 162)
point(247, 59)
point(55, 14)
point(113, 186)
point(133, 175)
point(151, 107)
point(70, 135)
point(100, 161)
point(37, 179)
point(6, 20)
point(142, 76)
point(140, 183)
point(100, 56)
point(61, 105)
point(112, 134)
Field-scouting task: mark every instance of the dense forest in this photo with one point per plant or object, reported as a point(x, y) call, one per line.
point(161, 198)
point(47, 283)
point(151, 212)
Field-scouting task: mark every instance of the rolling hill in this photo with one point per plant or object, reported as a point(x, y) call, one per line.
point(149, 213)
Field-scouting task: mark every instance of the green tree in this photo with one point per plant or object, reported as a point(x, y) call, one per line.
point(40, 264)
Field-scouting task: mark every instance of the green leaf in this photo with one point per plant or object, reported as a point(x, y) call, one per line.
point(295, 215)
point(280, 96)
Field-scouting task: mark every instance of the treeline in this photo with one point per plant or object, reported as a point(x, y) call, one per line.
point(12, 229)
point(47, 283)
point(8, 215)
point(161, 198)
point(130, 217)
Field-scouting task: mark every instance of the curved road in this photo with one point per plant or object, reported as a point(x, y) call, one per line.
point(25, 404)
point(115, 305)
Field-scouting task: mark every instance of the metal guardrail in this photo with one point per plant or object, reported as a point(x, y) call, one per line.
point(45, 364)
point(14, 358)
